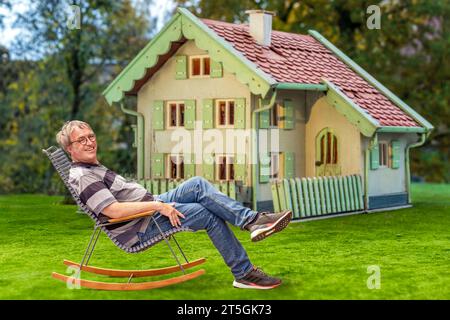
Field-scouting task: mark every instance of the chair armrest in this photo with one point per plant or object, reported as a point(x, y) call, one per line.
point(132, 217)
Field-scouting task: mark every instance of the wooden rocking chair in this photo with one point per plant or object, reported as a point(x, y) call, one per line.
point(62, 165)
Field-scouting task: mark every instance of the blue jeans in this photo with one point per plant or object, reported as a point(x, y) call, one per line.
point(206, 208)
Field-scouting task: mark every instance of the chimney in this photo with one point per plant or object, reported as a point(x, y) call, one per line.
point(260, 22)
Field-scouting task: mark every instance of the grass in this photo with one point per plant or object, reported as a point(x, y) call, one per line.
point(322, 259)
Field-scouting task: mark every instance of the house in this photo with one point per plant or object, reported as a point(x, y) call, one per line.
point(296, 105)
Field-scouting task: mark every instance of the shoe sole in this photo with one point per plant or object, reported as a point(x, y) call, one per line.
point(253, 286)
point(263, 233)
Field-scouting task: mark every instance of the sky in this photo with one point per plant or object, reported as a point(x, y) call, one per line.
point(8, 33)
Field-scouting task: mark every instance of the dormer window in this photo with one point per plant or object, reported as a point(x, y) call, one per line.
point(199, 66)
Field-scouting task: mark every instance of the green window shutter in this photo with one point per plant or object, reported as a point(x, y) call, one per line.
point(264, 168)
point(158, 115)
point(375, 157)
point(239, 113)
point(216, 69)
point(134, 128)
point(189, 165)
point(157, 168)
point(264, 119)
point(208, 113)
point(395, 146)
point(181, 67)
point(239, 167)
point(289, 116)
point(289, 165)
point(189, 114)
point(208, 167)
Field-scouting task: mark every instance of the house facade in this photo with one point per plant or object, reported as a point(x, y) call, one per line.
point(249, 105)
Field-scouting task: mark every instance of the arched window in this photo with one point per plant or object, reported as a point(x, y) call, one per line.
point(327, 151)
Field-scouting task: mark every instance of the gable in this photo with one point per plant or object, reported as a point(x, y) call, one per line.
point(182, 26)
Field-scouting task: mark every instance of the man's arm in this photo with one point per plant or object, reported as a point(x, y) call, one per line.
point(124, 209)
point(95, 194)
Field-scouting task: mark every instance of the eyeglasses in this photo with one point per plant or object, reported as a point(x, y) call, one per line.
point(84, 140)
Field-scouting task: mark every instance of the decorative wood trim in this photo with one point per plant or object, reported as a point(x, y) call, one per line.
point(146, 58)
point(354, 113)
point(185, 24)
point(301, 86)
point(402, 129)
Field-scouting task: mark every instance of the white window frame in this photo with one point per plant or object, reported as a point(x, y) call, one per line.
point(178, 164)
point(227, 113)
point(168, 113)
point(202, 71)
point(230, 161)
point(280, 156)
point(383, 154)
point(272, 167)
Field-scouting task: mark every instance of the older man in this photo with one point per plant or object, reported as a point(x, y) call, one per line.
point(195, 203)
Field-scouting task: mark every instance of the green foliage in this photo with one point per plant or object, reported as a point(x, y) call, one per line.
point(3, 4)
point(64, 79)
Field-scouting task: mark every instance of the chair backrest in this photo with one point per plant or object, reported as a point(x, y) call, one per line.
point(62, 164)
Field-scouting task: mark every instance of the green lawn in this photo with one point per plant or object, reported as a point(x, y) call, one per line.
point(322, 259)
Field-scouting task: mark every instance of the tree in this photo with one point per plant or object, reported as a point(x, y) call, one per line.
point(67, 69)
point(4, 4)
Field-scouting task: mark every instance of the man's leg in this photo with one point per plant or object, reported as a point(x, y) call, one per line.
point(198, 217)
point(200, 190)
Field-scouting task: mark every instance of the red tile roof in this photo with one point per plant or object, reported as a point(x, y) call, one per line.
point(300, 58)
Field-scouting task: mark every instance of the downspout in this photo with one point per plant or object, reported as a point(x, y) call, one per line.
point(140, 139)
point(373, 142)
point(423, 137)
point(255, 146)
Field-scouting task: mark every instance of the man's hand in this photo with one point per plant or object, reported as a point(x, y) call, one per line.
point(168, 210)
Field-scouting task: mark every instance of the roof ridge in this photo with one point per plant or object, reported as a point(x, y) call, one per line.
point(246, 26)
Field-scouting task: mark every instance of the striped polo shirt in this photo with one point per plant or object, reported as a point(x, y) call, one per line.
point(98, 187)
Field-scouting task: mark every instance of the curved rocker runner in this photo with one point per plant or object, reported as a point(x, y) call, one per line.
point(100, 285)
point(134, 273)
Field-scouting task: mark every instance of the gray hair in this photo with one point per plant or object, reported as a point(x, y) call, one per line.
point(63, 136)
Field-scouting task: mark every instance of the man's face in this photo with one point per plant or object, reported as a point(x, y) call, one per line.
point(82, 148)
